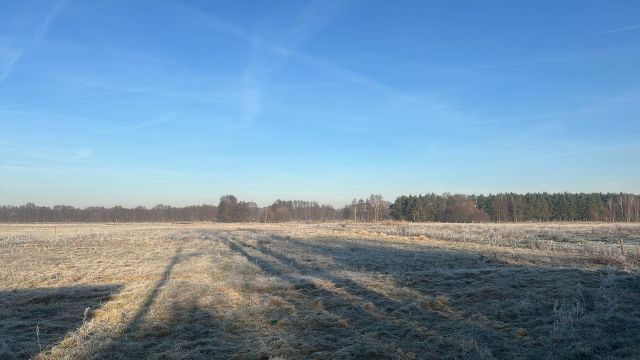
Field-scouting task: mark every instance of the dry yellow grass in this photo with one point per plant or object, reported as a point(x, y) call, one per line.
point(291, 291)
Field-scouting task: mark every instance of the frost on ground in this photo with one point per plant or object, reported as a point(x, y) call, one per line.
point(292, 291)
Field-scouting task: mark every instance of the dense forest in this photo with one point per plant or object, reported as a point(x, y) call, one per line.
point(510, 207)
point(504, 207)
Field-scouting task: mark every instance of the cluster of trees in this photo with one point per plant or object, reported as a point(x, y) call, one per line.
point(232, 210)
point(375, 208)
point(432, 207)
point(299, 210)
point(512, 207)
point(64, 213)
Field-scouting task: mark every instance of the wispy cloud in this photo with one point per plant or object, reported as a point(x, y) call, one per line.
point(48, 155)
point(472, 68)
point(55, 11)
point(187, 95)
point(83, 153)
point(11, 57)
point(99, 126)
point(424, 106)
point(558, 153)
point(8, 61)
point(619, 30)
point(141, 73)
point(297, 36)
point(138, 126)
point(266, 55)
point(251, 98)
point(111, 170)
point(289, 51)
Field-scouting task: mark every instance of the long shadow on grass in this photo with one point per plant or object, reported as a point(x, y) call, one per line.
point(343, 328)
point(32, 320)
point(487, 307)
point(185, 330)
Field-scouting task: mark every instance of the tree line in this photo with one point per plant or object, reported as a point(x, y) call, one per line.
point(511, 207)
point(503, 207)
point(30, 213)
point(229, 209)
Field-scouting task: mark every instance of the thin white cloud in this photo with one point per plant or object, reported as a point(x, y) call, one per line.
point(423, 105)
point(138, 126)
point(619, 30)
point(299, 34)
point(8, 61)
point(262, 60)
point(49, 154)
point(99, 125)
point(111, 85)
point(15, 53)
point(83, 153)
point(55, 11)
point(477, 68)
point(111, 169)
point(251, 102)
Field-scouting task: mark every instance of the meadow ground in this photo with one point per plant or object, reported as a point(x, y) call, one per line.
point(320, 291)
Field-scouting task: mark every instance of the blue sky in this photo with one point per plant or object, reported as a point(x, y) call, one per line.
point(180, 102)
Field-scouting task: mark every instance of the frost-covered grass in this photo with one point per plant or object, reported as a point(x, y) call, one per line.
point(291, 291)
point(605, 243)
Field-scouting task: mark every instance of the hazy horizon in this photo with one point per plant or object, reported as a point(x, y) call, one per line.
point(338, 204)
point(181, 102)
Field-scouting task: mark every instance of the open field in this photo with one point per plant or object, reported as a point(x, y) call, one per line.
point(328, 290)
